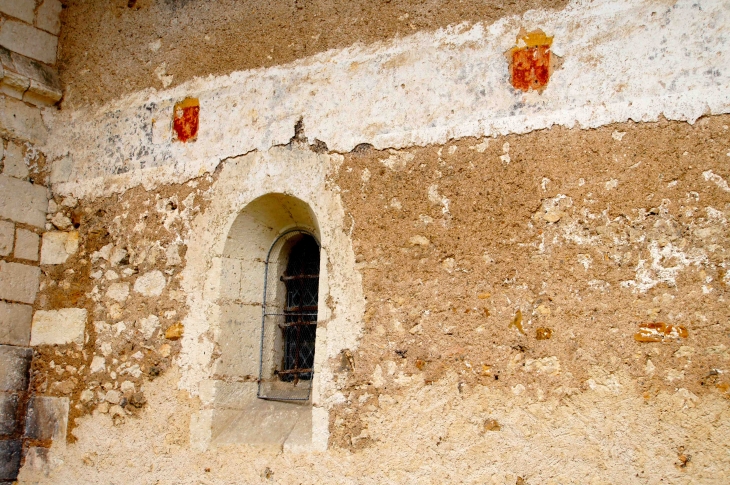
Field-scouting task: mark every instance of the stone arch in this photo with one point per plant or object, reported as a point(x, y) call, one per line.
point(238, 416)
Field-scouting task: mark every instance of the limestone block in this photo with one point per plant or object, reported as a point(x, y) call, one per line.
point(13, 84)
point(15, 165)
point(48, 17)
point(15, 321)
point(37, 461)
point(14, 367)
point(150, 284)
point(58, 246)
point(10, 453)
point(8, 412)
point(41, 95)
point(21, 9)
point(29, 41)
point(29, 79)
point(22, 201)
point(58, 327)
point(22, 121)
point(34, 70)
point(7, 229)
point(118, 292)
point(47, 418)
point(18, 282)
point(61, 170)
point(26, 245)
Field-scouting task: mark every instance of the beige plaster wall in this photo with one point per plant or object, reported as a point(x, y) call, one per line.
point(485, 273)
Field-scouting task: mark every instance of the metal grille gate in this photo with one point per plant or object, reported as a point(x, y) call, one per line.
point(289, 317)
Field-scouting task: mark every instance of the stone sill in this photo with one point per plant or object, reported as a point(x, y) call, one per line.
point(28, 80)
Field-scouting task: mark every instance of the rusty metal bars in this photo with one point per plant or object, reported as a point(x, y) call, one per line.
point(289, 317)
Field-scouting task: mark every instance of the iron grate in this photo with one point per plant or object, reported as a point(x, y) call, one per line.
point(289, 317)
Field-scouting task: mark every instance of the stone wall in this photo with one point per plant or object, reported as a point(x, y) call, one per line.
point(28, 81)
point(523, 274)
point(29, 32)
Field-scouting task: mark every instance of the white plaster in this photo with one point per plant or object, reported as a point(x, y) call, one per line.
point(621, 60)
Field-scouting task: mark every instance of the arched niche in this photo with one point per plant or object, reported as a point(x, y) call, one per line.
point(238, 415)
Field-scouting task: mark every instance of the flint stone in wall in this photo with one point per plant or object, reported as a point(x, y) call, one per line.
point(15, 321)
point(6, 237)
point(10, 451)
point(14, 367)
point(58, 246)
point(8, 412)
point(150, 284)
point(29, 41)
point(58, 327)
point(47, 418)
point(22, 201)
point(18, 282)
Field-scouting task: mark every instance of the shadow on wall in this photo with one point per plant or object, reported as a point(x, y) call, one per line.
point(238, 415)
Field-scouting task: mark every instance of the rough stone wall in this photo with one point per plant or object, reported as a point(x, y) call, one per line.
point(29, 422)
point(508, 301)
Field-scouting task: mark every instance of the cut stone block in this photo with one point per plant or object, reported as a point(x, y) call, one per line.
point(41, 95)
point(22, 121)
point(13, 84)
point(29, 41)
point(58, 327)
point(37, 461)
point(49, 16)
point(8, 413)
point(6, 237)
point(15, 321)
point(61, 170)
point(27, 79)
point(26, 245)
point(15, 165)
point(10, 453)
point(21, 9)
point(47, 418)
point(58, 246)
point(18, 282)
point(14, 367)
point(22, 201)
point(34, 70)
